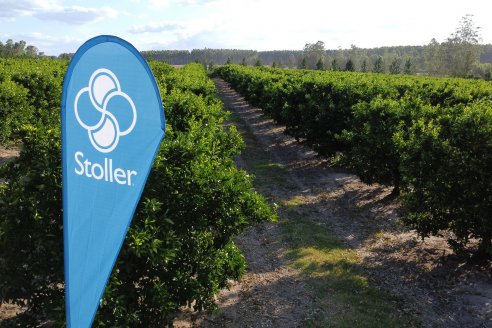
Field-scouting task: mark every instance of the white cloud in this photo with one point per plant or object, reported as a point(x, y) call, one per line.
point(76, 14)
point(159, 3)
point(54, 11)
point(167, 3)
point(193, 2)
point(155, 27)
point(15, 8)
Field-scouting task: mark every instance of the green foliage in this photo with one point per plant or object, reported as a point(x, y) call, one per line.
point(334, 65)
point(447, 163)
point(349, 66)
point(31, 260)
point(179, 249)
point(395, 66)
point(14, 110)
point(17, 49)
point(44, 90)
point(320, 65)
point(303, 63)
point(314, 53)
point(374, 156)
point(458, 54)
point(364, 68)
point(378, 65)
point(408, 67)
point(429, 136)
point(30, 91)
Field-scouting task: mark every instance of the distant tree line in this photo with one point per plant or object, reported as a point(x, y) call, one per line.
point(396, 60)
point(205, 56)
point(18, 49)
point(358, 59)
point(461, 55)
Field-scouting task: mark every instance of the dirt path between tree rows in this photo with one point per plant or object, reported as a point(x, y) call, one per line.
point(436, 287)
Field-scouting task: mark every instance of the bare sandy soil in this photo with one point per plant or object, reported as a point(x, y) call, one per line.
point(7, 154)
point(438, 287)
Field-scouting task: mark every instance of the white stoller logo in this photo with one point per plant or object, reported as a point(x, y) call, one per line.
point(104, 89)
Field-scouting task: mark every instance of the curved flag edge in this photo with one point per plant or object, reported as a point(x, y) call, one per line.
point(78, 54)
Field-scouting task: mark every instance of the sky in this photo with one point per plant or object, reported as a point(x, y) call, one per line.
point(58, 26)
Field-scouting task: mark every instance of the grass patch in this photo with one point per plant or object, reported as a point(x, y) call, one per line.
point(296, 201)
point(267, 174)
point(344, 295)
point(257, 160)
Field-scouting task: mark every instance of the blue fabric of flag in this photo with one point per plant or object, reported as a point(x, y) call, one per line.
point(112, 126)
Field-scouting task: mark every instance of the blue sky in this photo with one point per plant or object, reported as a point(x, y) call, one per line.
point(57, 26)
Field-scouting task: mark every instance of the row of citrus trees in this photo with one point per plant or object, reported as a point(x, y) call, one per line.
point(179, 249)
point(430, 138)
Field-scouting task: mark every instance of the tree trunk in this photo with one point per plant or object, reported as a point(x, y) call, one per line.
point(396, 183)
point(485, 247)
